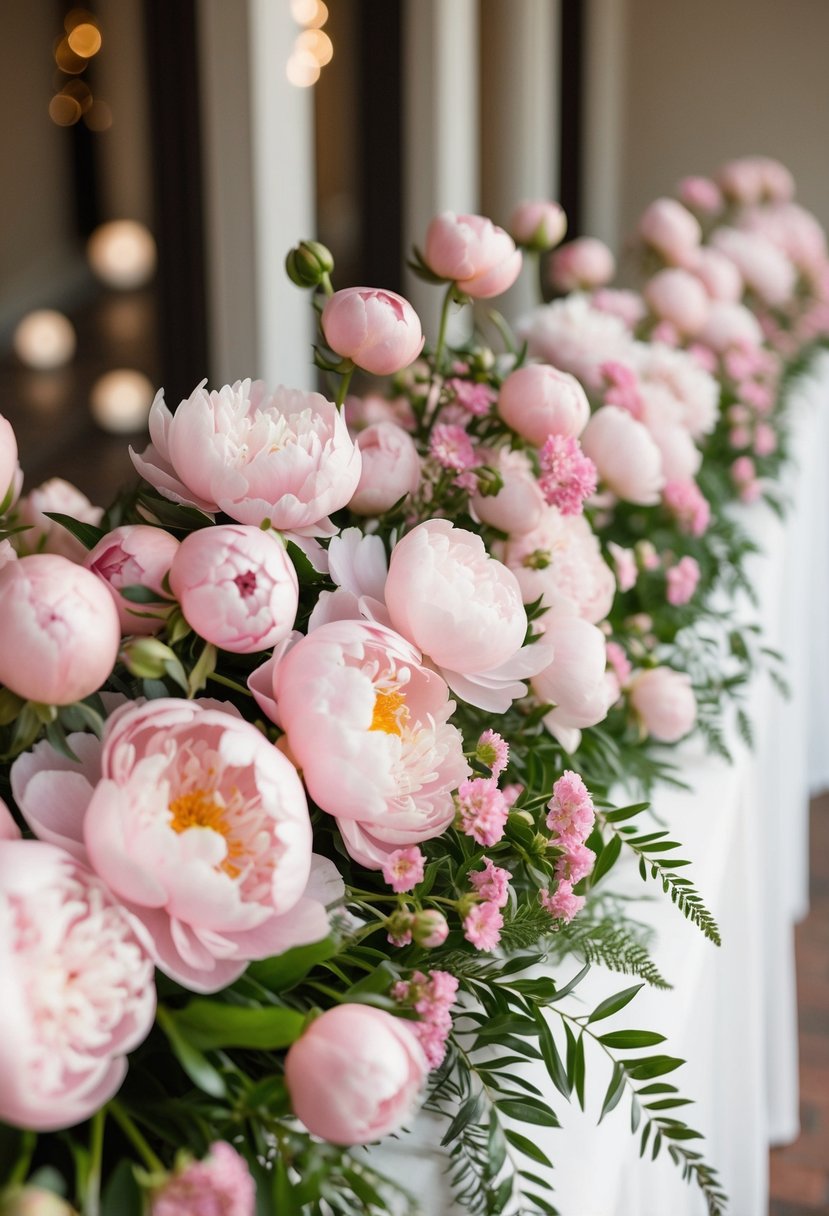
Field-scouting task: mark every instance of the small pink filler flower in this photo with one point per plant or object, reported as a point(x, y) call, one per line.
point(219, 1185)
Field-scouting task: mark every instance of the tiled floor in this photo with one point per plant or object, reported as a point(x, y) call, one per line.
point(800, 1173)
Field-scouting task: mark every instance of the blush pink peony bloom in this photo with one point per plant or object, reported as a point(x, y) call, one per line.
point(582, 265)
point(473, 252)
point(237, 587)
point(695, 392)
point(538, 400)
point(700, 194)
point(682, 580)
point(60, 633)
point(538, 224)
point(574, 683)
point(378, 330)
point(44, 535)
point(8, 828)
point(561, 562)
point(730, 326)
point(285, 456)
point(625, 455)
point(671, 230)
point(718, 275)
point(620, 302)
point(369, 726)
point(219, 1185)
point(576, 337)
point(8, 458)
point(391, 468)
point(355, 1074)
point(518, 505)
point(752, 179)
point(676, 296)
point(134, 555)
point(78, 990)
point(664, 703)
point(765, 269)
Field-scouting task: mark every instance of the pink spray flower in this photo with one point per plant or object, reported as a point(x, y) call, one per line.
point(686, 502)
point(430, 928)
point(664, 703)
point(45, 535)
point(624, 564)
point(78, 990)
point(568, 477)
point(491, 883)
point(134, 555)
point(403, 868)
point(219, 1185)
point(562, 904)
point(582, 265)
point(452, 448)
point(390, 470)
point(570, 810)
point(482, 926)
point(284, 456)
point(475, 398)
point(326, 1071)
point(432, 997)
point(682, 581)
point(575, 863)
point(473, 252)
point(493, 751)
point(369, 725)
point(538, 224)
point(538, 400)
point(60, 634)
point(237, 587)
point(619, 663)
point(378, 330)
point(482, 810)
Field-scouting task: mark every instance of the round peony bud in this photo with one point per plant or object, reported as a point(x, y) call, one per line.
point(538, 225)
point(664, 702)
point(220, 1184)
point(391, 468)
point(378, 330)
point(574, 683)
point(518, 505)
point(134, 555)
point(45, 535)
point(78, 990)
point(33, 1201)
point(625, 454)
point(700, 194)
point(8, 458)
point(730, 324)
point(237, 587)
point(60, 634)
point(429, 928)
point(473, 252)
point(308, 263)
point(539, 400)
point(671, 230)
point(676, 296)
point(582, 265)
point(718, 275)
point(328, 1068)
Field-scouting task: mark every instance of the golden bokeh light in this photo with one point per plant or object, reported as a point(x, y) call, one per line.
point(318, 44)
point(302, 69)
point(85, 39)
point(304, 11)
point(67, 60)
point(80, 91)
point(64, 110)
point(99, 116)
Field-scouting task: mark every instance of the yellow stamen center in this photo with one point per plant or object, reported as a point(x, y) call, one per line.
point(199, 809)
point(390, 712)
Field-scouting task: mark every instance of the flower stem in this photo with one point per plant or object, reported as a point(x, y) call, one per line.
point(92, 1190)
point(136, 1138)
point(228, 683)
point(344, 383)
point(444, 320)
point(326, 284)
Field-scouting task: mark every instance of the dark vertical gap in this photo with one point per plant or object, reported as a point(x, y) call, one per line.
point(175, 133)
point(380, 114)
point(571, 110)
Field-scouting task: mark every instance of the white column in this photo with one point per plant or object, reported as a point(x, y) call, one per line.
point(440, 128)
point(282, 146)
point(519, 117)
point(604, 118)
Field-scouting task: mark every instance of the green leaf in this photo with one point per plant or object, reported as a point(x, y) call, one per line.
point(625, 812)
point(578, 1070)
point(613, 1004)
point(198, 1068)
point(496, 1146)
point(136, 593)
point(285, 971)
point(377, 981)
point(606, 859)
point(614, 1090)
point(626, 1039)
point(573, 983)
point(213, 1024)
point(528, 1147)
point(528, 1110)
point(552, 1059)
point(467, 1114)
point(87, 534)
point(651, 1066)
point(122, 1194)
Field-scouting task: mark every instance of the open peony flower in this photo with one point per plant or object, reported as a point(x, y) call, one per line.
point(369, 726)
point(582, 265)
point(695, 391)
point(60, 634)
point(134, 555)
point(196, 823)
point(560, 561)
point(78, 990)
point(355, 1074)
point(237, 587)
point(765, 269)
point(576, 337)
point(473, 252)
point(284, 456)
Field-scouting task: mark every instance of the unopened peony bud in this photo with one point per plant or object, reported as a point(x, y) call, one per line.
point(429, 929)
point(147, 658)
point(33, 1201)
point(309, 263)
point(538, 225)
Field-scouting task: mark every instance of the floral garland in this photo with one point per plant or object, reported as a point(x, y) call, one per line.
point(311, 739)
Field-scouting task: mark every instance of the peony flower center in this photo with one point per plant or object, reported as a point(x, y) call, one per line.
point(199, 809)
point(246, 583)
point(391, 713)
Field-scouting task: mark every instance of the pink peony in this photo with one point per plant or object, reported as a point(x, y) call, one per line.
point(8, 458)
point(539, 225)
point(473, 252)
point(538, 400)
point(574, 683)
point(390, 468)
point(625, 455)
point(60, 633)
point(765, 269)
point(576, 337)
point(765, 439)
point(619, 302)
point(518, 505)
point(676, 296)
point(582, 265)
point(219, 1185)
point(369, 725)
point(482, 925)
point(8, 827)
point(78, 991)
point(695, 392)
point(561, 562)
point(237, 587)
point(730, 325)
point(134, 555)
point(664, 702)
point(671, 230)
point(44, 535)
point(718, 275)
point(682, 580)
point(285, 456)
point(700, 194)
point(355, 1074)
point(378, 330)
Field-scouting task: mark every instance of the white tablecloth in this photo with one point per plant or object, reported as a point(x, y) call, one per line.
point(732, 1012)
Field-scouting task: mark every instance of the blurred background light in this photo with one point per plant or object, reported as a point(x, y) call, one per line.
point(120, 401)
point(122, 254)
point(302, 68)
point(85, 39)
point(44, 339)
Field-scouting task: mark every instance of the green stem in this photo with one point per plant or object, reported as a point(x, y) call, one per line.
point(444, 321)
point(128, 1127)
point(344, 383)
point(228, 683)
point(326, 284)
point(92, 1190)
point(18, 1175)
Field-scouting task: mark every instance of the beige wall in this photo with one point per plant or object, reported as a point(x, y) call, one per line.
point(711, 79)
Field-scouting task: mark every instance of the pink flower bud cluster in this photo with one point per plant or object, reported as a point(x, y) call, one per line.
point(682, 580)
point(220, 1185)
point(570, 817)
point(432, 997)
point(568, 477)
point(690, 508)
point(482, 810)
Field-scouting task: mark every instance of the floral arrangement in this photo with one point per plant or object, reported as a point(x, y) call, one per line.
point(312, 739)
